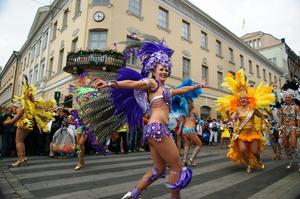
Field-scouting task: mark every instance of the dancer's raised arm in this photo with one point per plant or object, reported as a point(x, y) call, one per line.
point(186, 89)
point(128, 84)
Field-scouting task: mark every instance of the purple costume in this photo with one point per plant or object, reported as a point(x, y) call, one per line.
point(131, 104)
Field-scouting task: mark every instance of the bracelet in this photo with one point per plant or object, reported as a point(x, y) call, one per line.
point(109, 83)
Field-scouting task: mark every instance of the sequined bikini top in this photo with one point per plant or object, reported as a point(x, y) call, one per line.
point(158, 101)
point(289, 113)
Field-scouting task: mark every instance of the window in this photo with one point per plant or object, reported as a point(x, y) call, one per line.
point(185, 30)
point(25, 62)
point(30, 77)
point(42, 68)
point(270, 78)
point(97, 39)
point(132, 60)
point(205, 112)
point(250, 67)
point(163, 18)
point(134, 6)
point(65, 19)
point(45, 40)
point(54, 30)
point(186, 68)
point(254, 44)
point(50, 70)
point(38, 48)
point(220, 78)
point(22, 66)
point(32, 53)
point(274, 60)
point(275, 80)
point(230, 55)
point(257, 71)
point(104, 2)
point(264, 74)
point(258, 43)
point(35, 75)
point(60, 60)
point(250, 43)
point(77, 7)
point(218, 48)
point(279, 83)
point(241, 61)
point(74, 44)
point(205, 73)
point(203, 40)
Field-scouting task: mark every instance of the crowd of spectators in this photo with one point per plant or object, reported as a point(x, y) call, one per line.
point(60, 140)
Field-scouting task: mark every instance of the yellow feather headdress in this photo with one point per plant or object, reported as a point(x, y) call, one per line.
point(260, 97)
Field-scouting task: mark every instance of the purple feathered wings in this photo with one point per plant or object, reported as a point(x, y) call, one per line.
point(131, 102)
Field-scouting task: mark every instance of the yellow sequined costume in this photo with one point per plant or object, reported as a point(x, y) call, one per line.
point(259, 99)
point(39, 111)
point(225, 134)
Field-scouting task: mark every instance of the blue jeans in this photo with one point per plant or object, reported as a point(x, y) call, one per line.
point(132, 138)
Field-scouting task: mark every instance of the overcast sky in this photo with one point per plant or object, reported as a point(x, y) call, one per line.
point(280, 18)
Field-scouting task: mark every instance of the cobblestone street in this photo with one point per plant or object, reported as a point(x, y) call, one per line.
point(111, 176)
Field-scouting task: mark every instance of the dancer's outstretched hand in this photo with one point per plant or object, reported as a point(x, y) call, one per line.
point(101, 84)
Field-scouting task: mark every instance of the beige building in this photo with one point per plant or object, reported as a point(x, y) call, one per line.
point(276, 50)
point(204, 49)
point(7, 79)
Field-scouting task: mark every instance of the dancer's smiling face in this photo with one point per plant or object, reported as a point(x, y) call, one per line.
point(243, 100)
point(161, 73)
point(288, 99)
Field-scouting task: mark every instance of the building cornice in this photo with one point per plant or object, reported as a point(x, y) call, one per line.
point(37, 19)
point(193, 13)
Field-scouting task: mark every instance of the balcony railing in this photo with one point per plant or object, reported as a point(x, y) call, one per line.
point(104, 60)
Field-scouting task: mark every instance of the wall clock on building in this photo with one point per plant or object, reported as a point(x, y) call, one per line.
point(99, 16)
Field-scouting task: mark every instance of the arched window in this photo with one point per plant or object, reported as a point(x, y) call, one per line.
point(205, 112)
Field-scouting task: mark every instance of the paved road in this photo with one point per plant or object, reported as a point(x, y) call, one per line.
point(110, 177)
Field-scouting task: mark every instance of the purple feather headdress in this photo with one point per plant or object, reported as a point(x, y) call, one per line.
point(153, 53)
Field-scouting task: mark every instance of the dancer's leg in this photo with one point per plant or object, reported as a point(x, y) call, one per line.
point(243, 151)
point(195, 139)
point(167, 150)
point(159, 166)
point(80, 141)
point(286, 145)
point(254, 146)
point(20, 147)
point(293, 146)
point(186, 149)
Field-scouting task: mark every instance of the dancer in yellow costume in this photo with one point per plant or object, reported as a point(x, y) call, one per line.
point(30, 113)
point(225, 135)
point(246, 107)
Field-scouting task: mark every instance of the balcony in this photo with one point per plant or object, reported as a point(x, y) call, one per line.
point(99, 60)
